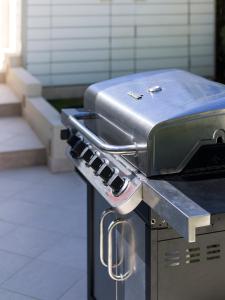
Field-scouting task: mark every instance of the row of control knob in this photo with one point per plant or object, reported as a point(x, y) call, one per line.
point(81, 150)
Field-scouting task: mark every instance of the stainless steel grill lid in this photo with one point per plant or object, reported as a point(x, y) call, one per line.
point(176, 113)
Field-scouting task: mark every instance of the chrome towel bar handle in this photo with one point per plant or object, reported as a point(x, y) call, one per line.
point(74, 122)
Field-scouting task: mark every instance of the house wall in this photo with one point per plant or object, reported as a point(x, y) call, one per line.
point(69, 42)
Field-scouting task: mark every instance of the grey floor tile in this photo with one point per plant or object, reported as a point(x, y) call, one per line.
point(61, 195)
point(6, 228)
point(62, 220)
point(10, 263)
point(8, 295)
point(11, 187)
point(28, 241)
point(69, 251)
point(18, 212)
point(28, 175)
point(77, 292)
point(43, 280)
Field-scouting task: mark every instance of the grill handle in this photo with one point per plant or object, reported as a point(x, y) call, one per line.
point(105, 214)
point(131, 258)
point(73, 121)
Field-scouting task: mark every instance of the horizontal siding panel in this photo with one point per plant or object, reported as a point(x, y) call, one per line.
point(162, 1)
point(80, 10)
point(64, 33)
point(39, 10)
point(80, 67)
point(38, 57)
point(203, 50)
point(41, 22)
point(84, 55)
point(151, 64)
point(39, 34)
point(161, 9)
point(122, 32)
point(203, 19)
point(162, 52)
point(122, 43)
point(165, 20)
point(36, 2)
point(202, 8)
point(83, 41)
point(39, 69)
point(202, 40)
point(204, 70)
point(87, 2)
point(123, 53)
point(202, 61)
point(202, 29)
point(122, 65)
point(162, 30)
point(76, 44)
point(162, 41)
point(38, 45)
point(120, 73)
point(94, 21)
point(44, 79)
point(87, 78)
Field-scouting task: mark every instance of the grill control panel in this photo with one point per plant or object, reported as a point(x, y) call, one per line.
point(100, 165)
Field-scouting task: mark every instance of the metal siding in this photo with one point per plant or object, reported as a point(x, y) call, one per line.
point(83, 41)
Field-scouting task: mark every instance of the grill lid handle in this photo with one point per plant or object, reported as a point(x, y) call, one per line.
point(72, 120)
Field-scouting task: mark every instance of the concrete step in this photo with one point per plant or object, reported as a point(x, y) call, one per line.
point(19, 146)
point(10, 104)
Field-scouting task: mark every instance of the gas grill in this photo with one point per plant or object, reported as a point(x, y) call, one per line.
point(151, 147)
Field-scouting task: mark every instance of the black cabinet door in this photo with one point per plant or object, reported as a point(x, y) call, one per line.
point(101, 286)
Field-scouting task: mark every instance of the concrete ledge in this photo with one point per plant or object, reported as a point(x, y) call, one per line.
point(45, 121)
point(23, 83)
point(13, 61)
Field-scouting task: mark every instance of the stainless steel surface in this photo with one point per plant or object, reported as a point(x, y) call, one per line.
point(125, 202)
point(131, 257)
point(183, 214)
point(174, 122)
point(175, 114)
point(73, 121)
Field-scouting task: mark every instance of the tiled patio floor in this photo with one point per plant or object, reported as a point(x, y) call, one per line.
point(42, 235)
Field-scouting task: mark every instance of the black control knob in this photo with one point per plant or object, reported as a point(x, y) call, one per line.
point(88, 155)
point(77, 150)
point(73, 140)
point(97, 163)
point(65, 134)
point(117, 184)
point(106, 173)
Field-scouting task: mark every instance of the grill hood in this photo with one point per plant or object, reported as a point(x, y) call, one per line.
point(176, 113)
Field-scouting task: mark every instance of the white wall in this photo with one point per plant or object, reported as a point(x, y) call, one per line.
point(82, 41)
point(10, 25)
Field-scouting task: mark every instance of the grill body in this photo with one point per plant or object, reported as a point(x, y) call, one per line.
point(151, 148)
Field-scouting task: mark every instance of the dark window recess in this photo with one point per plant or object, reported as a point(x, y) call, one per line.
point(88, 155)
point(97, 164)
point(106, 173)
